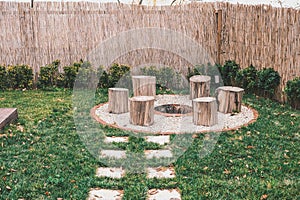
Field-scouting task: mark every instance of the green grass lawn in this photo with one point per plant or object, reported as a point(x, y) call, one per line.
point(43, 157)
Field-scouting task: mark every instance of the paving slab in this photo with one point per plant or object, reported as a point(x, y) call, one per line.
point(7, 115)
point(115, 139)
point(111, 172)
point(113, 154)
point(161, 139)
point(160, 172)
point(158, 154)
point(104, 194)
point(167, 194)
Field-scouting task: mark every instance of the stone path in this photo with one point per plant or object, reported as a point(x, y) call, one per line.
point(155, 172)
point(7, 115)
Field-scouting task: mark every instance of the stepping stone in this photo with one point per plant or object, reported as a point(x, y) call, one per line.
point(113, 154)
point(110, 172)
point(103, 194)
point(115, 139)
point(158, 154)
point(157, 194)
point(161, 139)
point(161, 172)
point(7, 115)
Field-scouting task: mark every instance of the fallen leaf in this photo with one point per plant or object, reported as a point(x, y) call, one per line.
point(250, 147)
point(20, 128)
point(285, 156)
point(226, 171)
point(59, 100)
point(153, 191)
point(264, 196)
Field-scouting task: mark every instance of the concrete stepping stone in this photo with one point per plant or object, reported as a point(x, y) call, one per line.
point(113, 154)
point(110, 172)
point(104, 194)
point(160, 172)
point(167, 194)
point(161, 139)
point(158, 154)
point(7, 115)
point(115, 139)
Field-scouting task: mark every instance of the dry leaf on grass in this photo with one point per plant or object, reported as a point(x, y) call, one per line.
point(153, 191)
point(264, 196)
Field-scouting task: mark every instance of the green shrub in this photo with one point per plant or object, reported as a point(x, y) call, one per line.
point(70, 73)
point(103, 77)
point(247, 79)
point(118, 73)
point(267, 81)
point(19, 77)
point(197, 70)
point(3, 78)
point(167, 78)
point(229, 72)
point(292, 90)
point(86, 77)
point(49, 75)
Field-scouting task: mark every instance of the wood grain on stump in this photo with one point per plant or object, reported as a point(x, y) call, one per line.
point(199, 86)
point(118, 100)
point(205, 111)
point(142, 110)
point(229, 99)
point(144, 85)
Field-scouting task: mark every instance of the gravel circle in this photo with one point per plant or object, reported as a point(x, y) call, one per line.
point(169, 125)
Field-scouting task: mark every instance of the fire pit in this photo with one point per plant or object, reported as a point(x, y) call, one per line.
point(173, 110)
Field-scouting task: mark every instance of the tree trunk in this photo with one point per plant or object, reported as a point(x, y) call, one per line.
point(144, 85)
point(205, 111)
point(229, 99)
point(142, 110)
point(118, 100)
point(199, 86)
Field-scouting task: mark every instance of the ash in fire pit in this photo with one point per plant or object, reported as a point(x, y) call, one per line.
point(173, 109)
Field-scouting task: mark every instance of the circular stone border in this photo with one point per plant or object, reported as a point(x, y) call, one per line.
point(114, 125)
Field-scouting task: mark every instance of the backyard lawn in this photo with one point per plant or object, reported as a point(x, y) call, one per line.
point(43, 157)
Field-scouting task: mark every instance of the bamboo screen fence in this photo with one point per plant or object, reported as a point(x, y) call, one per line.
point(258, 35)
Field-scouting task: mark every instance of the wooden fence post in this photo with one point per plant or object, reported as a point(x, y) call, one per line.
point(219, 34)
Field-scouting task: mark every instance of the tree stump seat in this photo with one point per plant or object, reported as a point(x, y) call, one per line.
point(199, 86)
point(205, 111)
point(144, 85)
point(118, 100)
point(229, 99)
point(142, 110)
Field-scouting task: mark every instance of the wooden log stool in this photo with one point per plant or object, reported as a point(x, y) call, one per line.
point(142, 110)
point(205, 111)
point(229, 99)
point(199, 86)
point(118, 100)
point(144, 85)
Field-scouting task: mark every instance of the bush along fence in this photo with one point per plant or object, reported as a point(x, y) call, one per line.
point(262, 82)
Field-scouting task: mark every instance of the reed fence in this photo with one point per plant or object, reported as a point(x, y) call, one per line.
point(260, 35)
